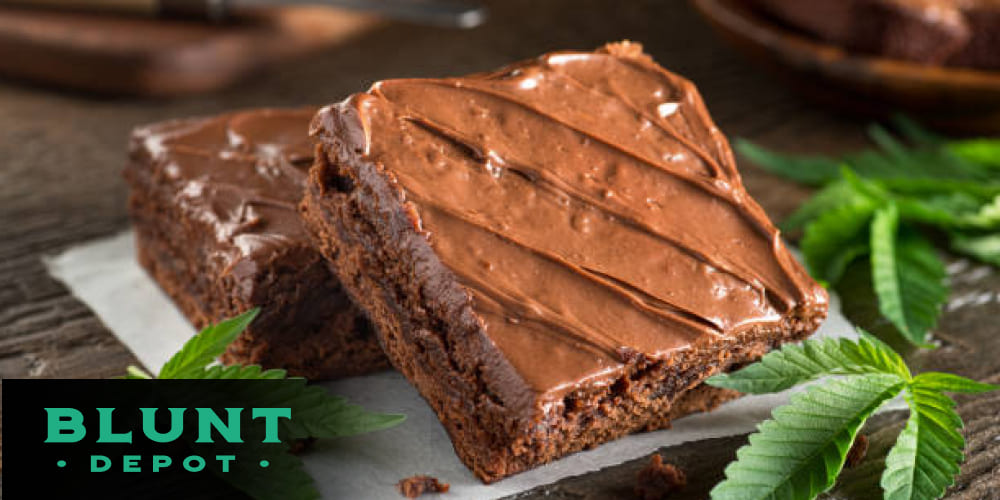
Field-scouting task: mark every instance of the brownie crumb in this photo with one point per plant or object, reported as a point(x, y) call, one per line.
point(858, 451)
point(413, 487)
point(657, 480)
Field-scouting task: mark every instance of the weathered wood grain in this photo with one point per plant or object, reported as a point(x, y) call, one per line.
point(60, 157)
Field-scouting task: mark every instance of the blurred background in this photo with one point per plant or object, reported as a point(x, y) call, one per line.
point(72, 85)
point(74, 82)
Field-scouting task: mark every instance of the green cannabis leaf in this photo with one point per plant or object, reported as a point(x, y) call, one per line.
point(982, 151)
point(946, 382)
point(835, 238)
point(907, 276)
point(315, 413)
point(925, 459)
point(286, 479)
point(808, 170)
point(880, 203)
point(208, 344)
point(834, 195)
point(795, 364)
point(798, 453)
point(892, 160)
point(985, 247)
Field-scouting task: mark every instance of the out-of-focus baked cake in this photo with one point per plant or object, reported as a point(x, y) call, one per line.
point(938, 32)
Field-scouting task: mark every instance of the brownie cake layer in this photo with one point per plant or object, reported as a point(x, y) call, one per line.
point(949, 32)
point(555, 254)
point(213, 203)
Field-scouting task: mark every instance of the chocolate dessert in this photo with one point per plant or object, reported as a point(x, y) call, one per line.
point(942, 32)
point(415, 486)
point(658, 481)
point(555, 254)
point(213, 202)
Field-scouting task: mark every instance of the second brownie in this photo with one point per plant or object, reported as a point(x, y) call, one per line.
point(213, 206)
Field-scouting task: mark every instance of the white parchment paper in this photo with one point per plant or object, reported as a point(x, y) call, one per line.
point(105, 275)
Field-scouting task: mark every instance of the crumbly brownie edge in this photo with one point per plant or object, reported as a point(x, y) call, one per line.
point(429, 330)
point(307, 324)
point(163, 256)
point(329, 345)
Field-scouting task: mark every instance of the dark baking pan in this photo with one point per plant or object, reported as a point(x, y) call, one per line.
point(958, 99)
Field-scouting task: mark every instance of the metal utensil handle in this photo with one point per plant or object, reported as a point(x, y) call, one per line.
point(450, 13)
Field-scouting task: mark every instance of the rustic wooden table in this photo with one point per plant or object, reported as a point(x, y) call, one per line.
point(60, 157)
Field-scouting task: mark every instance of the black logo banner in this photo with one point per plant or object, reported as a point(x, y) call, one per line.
point(142, 438)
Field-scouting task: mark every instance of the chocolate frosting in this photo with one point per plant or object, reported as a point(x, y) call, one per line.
point(242, 175)
point(588, 204)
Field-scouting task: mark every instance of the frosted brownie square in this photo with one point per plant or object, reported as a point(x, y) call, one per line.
point(213, 202)
point(555, 254)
